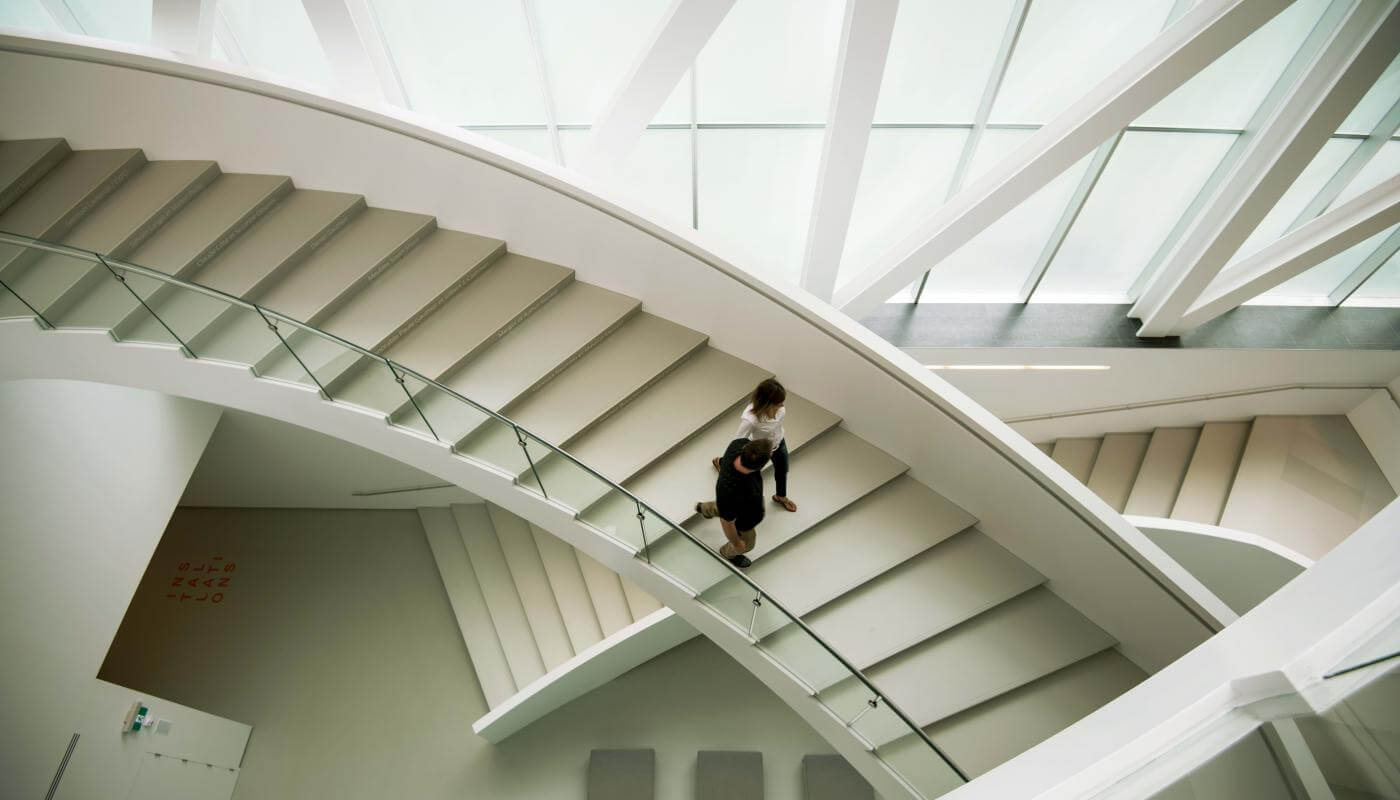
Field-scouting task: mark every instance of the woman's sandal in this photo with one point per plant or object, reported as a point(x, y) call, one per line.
point(785, 503)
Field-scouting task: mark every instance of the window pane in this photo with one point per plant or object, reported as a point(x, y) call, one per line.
point(905, 177)
point(1313, 286)
point(587, 47)
point(1383, 289)
point(1147, 185)
point(1323, 166)
point(532, 140)
point(1227, 93)
point(1068, 46)
point(26, 14)
point(277, 36)
point(940, 55)
point(1376, 103)
point(993, 267)
point(994, 146)
point(1385, 164)
point(756, 195)
point(465, 63)
point(770, 61)
point(123, 20)
point(656, 173)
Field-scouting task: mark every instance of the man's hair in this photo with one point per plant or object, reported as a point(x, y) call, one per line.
point(755, 454)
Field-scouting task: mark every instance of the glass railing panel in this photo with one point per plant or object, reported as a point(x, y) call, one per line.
point(405, 412)
point(1382, 647)
point(125, 310)
point(615, 514)
point(41, 278)
point(692, 565)
point(11, 307)
point(909, 757)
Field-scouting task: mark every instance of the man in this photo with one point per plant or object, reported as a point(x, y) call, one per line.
point(739, 497)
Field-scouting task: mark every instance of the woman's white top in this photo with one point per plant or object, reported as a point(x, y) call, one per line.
point(751, 427)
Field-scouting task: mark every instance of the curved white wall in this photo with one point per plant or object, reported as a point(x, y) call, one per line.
point(1094, 559)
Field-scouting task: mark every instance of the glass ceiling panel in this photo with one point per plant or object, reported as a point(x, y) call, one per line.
point(124, 20)
point(26, 14)
point(534, 141)
point(993, 266)
point(277, 36)
point(941, 52)
point(1383, 289)
point(755, 190)
point(1227, 93)
point(770, 61)
point(1146, 186)
point(1376, 103)
point(1320, 170)
point(992, 148)
point(1313, 287)
point(1068, 46)
point(465, 63)
point(588, 47)
point(657, 172)
point(905, 177)
point(1384, 164)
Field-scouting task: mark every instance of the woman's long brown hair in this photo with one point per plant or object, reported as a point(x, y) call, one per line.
point(767, 398)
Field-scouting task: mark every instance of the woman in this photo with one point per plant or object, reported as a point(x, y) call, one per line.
point(763, 419)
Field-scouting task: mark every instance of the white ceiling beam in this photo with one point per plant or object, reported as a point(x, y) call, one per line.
point(1202, 35)
point(860, 66)
point(185, 26)
point(1355, 56)
point(672, 49)
point(354, 46)
point(1349, 169)
point(1294, 253)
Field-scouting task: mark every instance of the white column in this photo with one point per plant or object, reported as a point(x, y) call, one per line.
point(672, 49)
point(860, 66)
point(1202, 35)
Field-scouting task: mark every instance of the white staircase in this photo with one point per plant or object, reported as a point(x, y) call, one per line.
point(956, 629)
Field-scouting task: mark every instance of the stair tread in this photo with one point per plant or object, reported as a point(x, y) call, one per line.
point(566, 579)
point(507, 613)
point(943, 587)
point(1163, 467)
point(1023, 639)
point(55, 203)
point(468, 605)
point(23, 162)
point(637, 353)
point(1116, 467)
point(675, 482)
point(1206, 485)
point(993, 732)
point(831, 473)
point(114, 228)
point(184, 243)
point(473, 317)
point(532, 585)
point(1076, 456)
point(689, 397)
point(895, 523)
point(605, 590)
point(365, 244)
point(441, 262)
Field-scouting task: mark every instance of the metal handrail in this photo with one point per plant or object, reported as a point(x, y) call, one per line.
point(114, 264)
point(1195, 398)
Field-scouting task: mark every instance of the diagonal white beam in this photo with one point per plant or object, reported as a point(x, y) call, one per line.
point(1355, 56)
point(860, 66)
point(63, 17)
point(1350, 168)
point(1368, 267)
point(185, 26)
point(1294, 253)
point(1202, 35)
point(354, 46)
point(672, 49)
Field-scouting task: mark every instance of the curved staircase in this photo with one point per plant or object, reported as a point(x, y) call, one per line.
point(962, 633)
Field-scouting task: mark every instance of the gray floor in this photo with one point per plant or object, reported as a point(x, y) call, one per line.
point(1100, 325)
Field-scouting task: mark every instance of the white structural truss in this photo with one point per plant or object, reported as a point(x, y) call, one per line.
point(1292, 254)
point(185, 26)
point(354, 47)
point(683, 32)
point(860, 64)
point(1202, 35)
point(1354, 58)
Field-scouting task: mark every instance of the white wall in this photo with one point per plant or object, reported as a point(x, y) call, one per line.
point(92, 475)
point(195, 757)
point(338, 644)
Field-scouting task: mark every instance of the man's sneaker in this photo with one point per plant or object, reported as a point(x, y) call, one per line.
point(742, 562)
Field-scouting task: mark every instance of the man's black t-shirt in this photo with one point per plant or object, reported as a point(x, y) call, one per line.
point(738, 496)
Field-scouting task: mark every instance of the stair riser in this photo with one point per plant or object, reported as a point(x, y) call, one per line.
point(32, 175)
